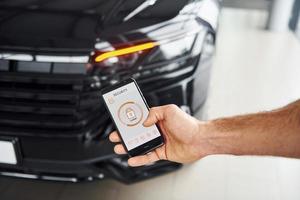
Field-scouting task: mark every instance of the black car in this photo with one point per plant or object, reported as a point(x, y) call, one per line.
point(56, 55)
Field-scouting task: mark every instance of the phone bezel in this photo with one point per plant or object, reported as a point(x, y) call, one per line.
point(146, 147)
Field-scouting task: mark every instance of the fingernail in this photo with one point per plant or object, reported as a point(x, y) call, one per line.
point(144, 124)
point(129, 162)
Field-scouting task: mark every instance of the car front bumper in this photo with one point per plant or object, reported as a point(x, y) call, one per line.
point(89, 156)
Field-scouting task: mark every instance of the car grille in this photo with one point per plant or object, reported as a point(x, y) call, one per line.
point(50, 105)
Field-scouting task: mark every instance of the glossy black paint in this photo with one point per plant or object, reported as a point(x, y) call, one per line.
point(49, 82)
point(72, 25)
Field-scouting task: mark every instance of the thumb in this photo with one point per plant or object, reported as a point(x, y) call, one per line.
point(155, 115)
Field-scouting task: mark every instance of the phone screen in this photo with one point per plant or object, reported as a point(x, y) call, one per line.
point(129, 111)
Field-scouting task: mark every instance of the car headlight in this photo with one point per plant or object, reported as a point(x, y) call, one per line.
point(143, 59)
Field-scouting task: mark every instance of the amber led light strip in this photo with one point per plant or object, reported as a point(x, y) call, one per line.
point(125, 51)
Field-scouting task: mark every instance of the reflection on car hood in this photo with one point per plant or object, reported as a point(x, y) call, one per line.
point(68, 24)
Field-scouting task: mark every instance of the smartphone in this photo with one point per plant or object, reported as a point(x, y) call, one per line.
point(128, 110)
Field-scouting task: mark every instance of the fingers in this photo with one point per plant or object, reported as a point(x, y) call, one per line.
point(143, 160)
point(114, 137)
point(155, 114)
point(119, 149)
point(159, 113)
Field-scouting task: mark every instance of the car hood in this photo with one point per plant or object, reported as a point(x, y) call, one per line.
point(71, 25)
point(58, 24)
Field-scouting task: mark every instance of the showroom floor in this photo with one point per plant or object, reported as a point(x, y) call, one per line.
point(254, 70)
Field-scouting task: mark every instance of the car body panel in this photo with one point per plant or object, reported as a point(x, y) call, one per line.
point(50, 81)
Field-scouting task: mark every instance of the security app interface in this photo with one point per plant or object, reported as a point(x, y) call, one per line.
point(129, 112)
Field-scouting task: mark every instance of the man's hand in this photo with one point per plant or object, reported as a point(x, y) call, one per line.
point(273, 133)
point(181, 133)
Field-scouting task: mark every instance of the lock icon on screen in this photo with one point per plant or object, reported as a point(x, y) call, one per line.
point(130, 114)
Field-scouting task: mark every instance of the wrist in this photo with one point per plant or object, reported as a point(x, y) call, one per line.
point(207, 139)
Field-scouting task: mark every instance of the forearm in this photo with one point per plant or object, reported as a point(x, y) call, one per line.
point(274, 133)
